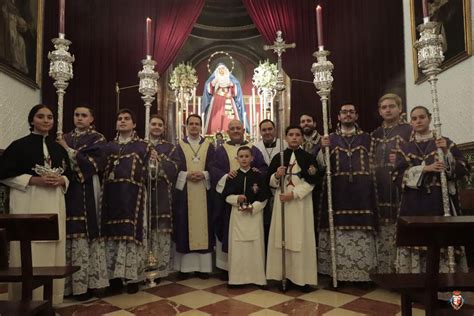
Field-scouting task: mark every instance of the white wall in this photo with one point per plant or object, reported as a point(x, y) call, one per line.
point(455, 89)
point(16, 100)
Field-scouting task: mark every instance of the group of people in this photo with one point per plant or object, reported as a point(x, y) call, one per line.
point(121, 200)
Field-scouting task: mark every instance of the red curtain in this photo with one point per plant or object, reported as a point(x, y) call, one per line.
point(296, 19)
point(365, 38)
point(108, 41)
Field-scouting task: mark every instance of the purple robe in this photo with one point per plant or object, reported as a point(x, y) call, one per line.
point(180, 206)
point(219, 167)
point(387, 192)
point(123, 194)
point(427, 198)
point(163, 186)
point(81, 210)
point(352, 184)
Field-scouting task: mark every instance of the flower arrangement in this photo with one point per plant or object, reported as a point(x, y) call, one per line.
point(183, 75)
point(265, 75)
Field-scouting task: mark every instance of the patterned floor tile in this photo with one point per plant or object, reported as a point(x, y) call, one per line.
point(97, 308)
point(330, 298)
point(301, 307)
point(371, 307)
point(224, 290)
point(262, 298)
point(230, 307)
point(201, 284)
point(342, 312)
point(162, 308)
point(415, 312)
point(267, 312)
point(126, 301)
point(194, 312)
point(354, 289)
point(169, 290)
point(383, 296)
point(119, 313)
point(197, 299)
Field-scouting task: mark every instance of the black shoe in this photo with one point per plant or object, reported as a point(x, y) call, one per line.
point(157, 281)
point(83, 297)
point(183, 276)
point(115, 286)
point(132, 288)
point(263, 287)
point(224, 276)
point(306, 288)
point(202, 275)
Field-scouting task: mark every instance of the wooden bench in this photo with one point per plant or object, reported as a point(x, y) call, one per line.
point(27, 228)
point(433, 232)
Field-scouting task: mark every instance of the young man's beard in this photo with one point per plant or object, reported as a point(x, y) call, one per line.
point(308, 131)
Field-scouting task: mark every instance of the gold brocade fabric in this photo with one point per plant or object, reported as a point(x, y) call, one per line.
point(197, 202)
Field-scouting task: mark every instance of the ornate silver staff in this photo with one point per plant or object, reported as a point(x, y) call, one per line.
point(279, 47)
point(323, 79)
point(60, 69)
point(430, 57)
point(148, 87)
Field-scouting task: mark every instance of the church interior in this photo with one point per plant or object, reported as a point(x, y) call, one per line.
point(160, 56)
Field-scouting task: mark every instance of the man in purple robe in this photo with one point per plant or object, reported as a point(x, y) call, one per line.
point(192, 214)
point(353, 201)
point(418, 171)
point(123, 204)
point(387, 139)
point(162, 181)
point(226, 164)
point(84, 247)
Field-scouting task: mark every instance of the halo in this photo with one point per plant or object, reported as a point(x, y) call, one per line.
point(221, 52)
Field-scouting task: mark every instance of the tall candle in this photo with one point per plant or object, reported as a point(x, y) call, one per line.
point(319, 25)
point(62, 5)
point(426, 13)
point(148, 36)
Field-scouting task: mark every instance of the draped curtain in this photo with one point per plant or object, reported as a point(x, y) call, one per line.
point(108, 42)
point(366, 41)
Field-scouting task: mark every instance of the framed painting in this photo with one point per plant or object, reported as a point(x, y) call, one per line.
point(21, 38)
point(454, 17)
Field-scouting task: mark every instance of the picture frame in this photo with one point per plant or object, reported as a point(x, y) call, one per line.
point(21, 40)
point(455, 19)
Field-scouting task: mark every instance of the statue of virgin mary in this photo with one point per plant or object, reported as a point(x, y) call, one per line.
point(222, 100)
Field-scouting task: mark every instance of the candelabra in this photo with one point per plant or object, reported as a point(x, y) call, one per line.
point(430, 57)
point(148, 87)
point(322, 71)
point(60, 69)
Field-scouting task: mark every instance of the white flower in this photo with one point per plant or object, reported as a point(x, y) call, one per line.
point(183, 76)
point(265, 75)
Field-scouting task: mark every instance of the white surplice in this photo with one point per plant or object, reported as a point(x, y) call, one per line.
point(246, 256)
point(299, 232)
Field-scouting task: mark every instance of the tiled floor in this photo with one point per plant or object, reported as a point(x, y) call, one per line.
point(213, 297)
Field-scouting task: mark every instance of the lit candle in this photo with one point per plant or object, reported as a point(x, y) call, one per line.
point(426, 14)
point(148, 36)
point(194, 100)
point(199, 106)
point(319, 26)
point(61, 16)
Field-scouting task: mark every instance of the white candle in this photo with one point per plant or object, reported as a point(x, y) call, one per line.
point(199, 106)
point(194, 100)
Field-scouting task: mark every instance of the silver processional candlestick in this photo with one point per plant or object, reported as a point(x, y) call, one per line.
point(279, 47)
point(60, 69)
point(323, 80)
point(148, 87)
point(430, 57)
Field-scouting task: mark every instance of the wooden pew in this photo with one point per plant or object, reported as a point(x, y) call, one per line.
point(433, 232)
point(27, 228)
